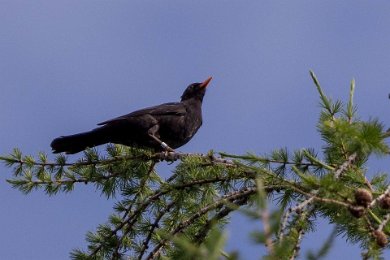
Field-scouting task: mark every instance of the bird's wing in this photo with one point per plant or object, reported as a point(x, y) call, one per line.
point(175, 108)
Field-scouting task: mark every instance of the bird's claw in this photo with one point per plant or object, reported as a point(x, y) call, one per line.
point(164, 145)
point(167, 148)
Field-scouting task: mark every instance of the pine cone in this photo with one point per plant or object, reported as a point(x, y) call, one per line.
point(356, 211)
point(363, 197)
point(384, 203)
point(380, 237)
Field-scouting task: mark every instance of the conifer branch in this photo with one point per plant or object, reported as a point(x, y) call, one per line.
point(350, 108)
point(182, 225)
point(265, 219)
point(324, 100)
point(145, 244)
point(205, 188)
point(385, 194)
point(317, 161)
point(128, 220)
point(228, 208)
point(343, 167)
point(298, 209)
point(162, 156)
point(384, 221)
point(297, 246)
point(270, 160)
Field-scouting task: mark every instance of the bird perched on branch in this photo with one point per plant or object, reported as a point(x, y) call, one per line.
point(163, 127)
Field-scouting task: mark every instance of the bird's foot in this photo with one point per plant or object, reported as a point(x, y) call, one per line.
point(167, 148)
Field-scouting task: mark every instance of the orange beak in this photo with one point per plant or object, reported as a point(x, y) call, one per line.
point(206, 82)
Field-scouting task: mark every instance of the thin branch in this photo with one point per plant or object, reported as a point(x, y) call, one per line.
point(201, 235)
point(379, 198)
point(343, 167)
point(184, 224)
point(268, 160)
point(301, 231)
point(319, 199)
point(131, 219)
point(267, 230)
point(297, 246)
point(142, 186)
point(297, 209)
point(384, 221)
point(145, 244)
point(162, 156)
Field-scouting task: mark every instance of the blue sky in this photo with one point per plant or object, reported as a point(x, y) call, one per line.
point(67, 65)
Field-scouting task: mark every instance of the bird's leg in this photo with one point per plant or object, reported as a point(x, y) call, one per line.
point(152, 131)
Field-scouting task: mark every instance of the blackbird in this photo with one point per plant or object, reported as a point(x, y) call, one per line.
point(163, 127)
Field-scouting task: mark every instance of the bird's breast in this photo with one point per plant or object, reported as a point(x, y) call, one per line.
point(177, 131)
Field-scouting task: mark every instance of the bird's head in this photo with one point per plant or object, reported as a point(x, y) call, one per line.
point(196, 90)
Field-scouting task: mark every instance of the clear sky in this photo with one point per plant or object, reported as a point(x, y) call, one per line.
point(67, 65)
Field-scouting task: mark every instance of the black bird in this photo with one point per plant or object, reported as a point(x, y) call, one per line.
point(163, 127)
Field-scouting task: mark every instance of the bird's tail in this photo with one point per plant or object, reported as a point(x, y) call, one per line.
point(76, 143)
